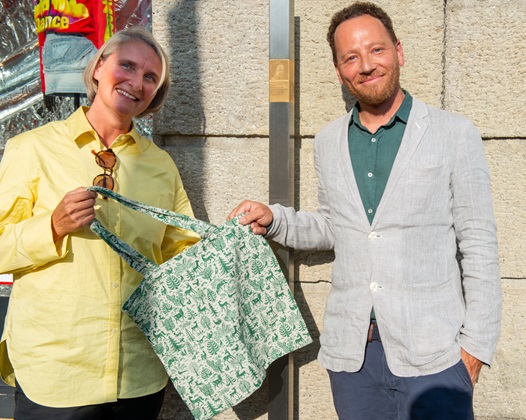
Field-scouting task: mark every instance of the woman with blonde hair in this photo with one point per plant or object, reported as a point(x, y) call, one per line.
point(67, 346)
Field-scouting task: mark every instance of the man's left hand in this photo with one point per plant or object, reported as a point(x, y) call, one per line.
point(472, 364)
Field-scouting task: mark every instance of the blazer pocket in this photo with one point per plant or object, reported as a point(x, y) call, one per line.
point(422, 193)
point(425, 174)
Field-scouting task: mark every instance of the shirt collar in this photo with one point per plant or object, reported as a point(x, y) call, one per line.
point(402, 114)
point(82, 132)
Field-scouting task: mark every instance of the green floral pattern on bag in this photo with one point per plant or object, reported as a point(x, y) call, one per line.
point(217, 315)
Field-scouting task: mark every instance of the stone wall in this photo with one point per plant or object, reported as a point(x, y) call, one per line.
point(462, 55)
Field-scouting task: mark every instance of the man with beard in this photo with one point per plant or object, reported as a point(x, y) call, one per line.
point(402, 187)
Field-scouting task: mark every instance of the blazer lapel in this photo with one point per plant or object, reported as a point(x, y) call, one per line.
point(416, 127)
point(347, 168)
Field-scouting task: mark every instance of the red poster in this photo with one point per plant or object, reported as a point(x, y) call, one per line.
point(69, 34)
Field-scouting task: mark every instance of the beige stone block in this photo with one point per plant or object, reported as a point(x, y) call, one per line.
point(218, 173)
point(485, 69)
point(500, 391)
point(508, 174)
point(219, 56)
point(420, 28)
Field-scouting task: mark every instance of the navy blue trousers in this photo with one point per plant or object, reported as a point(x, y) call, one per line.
point(374, 393)
point(141, 408)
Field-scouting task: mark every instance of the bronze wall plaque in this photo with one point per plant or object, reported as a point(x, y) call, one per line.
point(281, 80)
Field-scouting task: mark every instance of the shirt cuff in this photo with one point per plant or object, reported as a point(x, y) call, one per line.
point(39, 244)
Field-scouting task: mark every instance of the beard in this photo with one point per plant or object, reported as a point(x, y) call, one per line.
point(376, 95)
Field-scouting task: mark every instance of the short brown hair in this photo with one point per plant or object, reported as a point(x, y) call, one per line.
point(357, 9)
point(116, 41)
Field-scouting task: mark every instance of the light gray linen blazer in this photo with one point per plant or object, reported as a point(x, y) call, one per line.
point(404, 263)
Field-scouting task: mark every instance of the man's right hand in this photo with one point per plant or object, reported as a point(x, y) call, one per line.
point(74, 211)
point(258, 215)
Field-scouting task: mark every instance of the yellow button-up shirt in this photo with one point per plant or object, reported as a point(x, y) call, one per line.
point(67, 340)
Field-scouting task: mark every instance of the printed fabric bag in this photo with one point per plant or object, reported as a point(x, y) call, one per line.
point(217, 315)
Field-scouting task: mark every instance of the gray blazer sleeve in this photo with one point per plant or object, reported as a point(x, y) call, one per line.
point(304, 230)
point(477, 241)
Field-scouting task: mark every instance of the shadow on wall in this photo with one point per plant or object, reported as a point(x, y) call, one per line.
point(183, 116)
point(309, 353)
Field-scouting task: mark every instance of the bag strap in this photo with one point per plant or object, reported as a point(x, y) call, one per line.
point(133, 257)
point(168, 217)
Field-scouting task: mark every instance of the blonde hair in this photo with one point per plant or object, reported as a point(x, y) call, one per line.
point(116, 41)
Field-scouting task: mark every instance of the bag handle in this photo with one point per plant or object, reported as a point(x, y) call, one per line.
point(134, 258)
point(168, 217)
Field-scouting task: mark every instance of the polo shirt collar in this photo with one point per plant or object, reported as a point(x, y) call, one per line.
point(402, 114)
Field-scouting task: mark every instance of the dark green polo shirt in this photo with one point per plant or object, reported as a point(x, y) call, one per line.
point(373, 154)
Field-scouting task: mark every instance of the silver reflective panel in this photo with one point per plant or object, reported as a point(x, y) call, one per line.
point(22, 104)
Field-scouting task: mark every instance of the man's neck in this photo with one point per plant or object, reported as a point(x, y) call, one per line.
point(373, 117)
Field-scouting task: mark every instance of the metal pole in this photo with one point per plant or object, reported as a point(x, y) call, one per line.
point(281, 176)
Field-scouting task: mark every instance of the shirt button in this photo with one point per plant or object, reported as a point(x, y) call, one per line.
point(114, 331)
point(373, 286)
point(373, 140)
point(115, 285)
point(370, 174)
point(370, 211)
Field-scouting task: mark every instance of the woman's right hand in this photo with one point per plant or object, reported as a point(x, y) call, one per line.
point(74, 211)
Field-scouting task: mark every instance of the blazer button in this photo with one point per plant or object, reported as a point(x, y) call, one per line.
point(373, 286)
